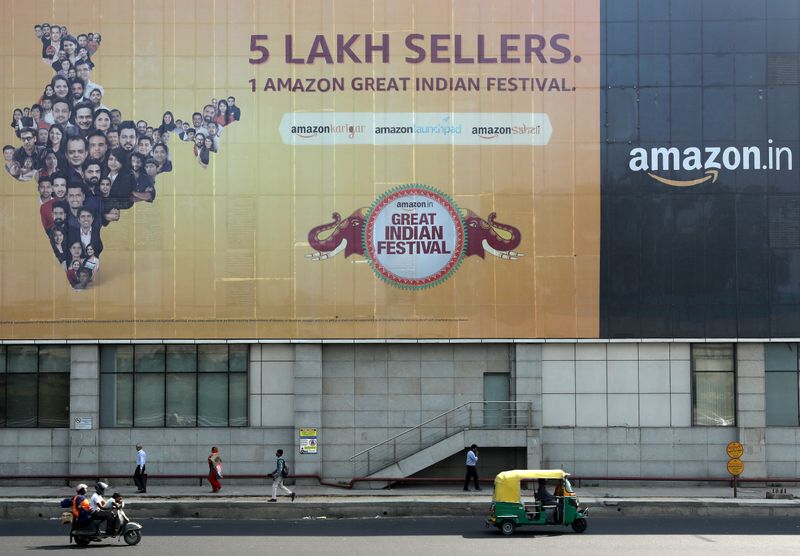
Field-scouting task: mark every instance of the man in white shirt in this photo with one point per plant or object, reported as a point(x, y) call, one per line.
point(98, 507)
point(139, 476)
point(472, 467)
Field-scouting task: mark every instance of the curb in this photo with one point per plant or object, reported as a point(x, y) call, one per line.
point(308, 508)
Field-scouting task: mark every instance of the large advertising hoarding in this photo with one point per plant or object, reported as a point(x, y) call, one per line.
point(315, 169)
point(700, 171)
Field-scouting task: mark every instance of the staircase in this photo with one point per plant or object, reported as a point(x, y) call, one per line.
point(435, 439)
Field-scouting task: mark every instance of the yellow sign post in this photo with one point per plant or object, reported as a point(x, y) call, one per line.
point(735, 450)
point(735, 465)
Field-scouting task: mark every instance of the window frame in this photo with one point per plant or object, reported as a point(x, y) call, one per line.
point(165, 374)
point(773, 372)
point(734, 373)
point(38, 376)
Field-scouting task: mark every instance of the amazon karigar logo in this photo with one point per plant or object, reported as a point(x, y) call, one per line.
point(703, 164)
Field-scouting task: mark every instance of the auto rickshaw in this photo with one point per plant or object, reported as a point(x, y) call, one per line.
point(508, 511)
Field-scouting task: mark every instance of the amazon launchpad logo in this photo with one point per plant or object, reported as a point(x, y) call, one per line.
point(697, 165)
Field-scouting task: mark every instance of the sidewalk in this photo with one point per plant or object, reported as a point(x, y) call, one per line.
point(249, 501)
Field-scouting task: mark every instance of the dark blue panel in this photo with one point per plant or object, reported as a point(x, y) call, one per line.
point(783, 113)
point(720, 277)
point(720, 217)
point(751, 220)
point(654, 116)
point(785, 321)
point(653, 70)
point(621, 10)
point(751, 36)
point(752, 271)
point(622, 38)
point(751, 115)
point(625, 279)
point(784, 276)
point(654, 37)
point(688, 321)
point(783, 36)
point(719, 114)
point(718, 36)
point(653, 10)
point(751, 69)
point(721, 321)
point(686, 70)
point(685, 9)
point(617, 178)
point(687, 116)
point(686, 37)
point(783, 9)
point(753, 321)
point(750, 9)
point(655, 321)
point(718, 69)
point(622, 70)
point(717, 9)
point(622, 103)
point(623, 321)
point(625, 229)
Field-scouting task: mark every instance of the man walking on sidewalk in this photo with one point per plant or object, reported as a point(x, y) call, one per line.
point(140, 475)
point(472, 467)
point(281, 472)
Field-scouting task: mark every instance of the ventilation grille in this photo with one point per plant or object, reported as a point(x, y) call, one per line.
point(783, 69)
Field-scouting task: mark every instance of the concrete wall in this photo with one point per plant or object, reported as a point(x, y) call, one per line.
point(371, 392)
point(620, 408)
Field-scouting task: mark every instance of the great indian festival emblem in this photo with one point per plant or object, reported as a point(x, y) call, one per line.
point(414, 236)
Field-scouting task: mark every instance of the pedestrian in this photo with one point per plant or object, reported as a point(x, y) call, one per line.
point(472, 467)
point(140, 475)
point(214, 469)
point(281, 472)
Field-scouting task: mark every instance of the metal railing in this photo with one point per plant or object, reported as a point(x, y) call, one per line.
point(471, 415)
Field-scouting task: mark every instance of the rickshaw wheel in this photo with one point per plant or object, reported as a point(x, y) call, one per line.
point(579, 525)
point(507, 527)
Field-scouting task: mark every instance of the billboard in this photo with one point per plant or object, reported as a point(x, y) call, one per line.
point(281, 169)
point(700, 171)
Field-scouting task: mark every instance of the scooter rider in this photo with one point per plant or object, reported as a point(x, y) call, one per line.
point(81, 508)
point(98, 507)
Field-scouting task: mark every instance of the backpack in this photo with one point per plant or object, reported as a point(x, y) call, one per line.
point(285, 470)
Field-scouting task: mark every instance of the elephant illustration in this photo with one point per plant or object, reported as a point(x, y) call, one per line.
point(340, 235)
point(490, 236)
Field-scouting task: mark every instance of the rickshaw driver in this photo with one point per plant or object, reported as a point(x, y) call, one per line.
point(547, 499)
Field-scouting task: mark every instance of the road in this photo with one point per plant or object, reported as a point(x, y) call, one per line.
point(411, 537)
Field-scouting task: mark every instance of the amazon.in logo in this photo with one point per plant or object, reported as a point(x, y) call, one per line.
point(658, 161)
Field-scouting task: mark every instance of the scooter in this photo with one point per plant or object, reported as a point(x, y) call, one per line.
point(127, 530)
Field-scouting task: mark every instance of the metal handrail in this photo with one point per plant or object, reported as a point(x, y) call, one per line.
point(449, 426)
point(431, 420)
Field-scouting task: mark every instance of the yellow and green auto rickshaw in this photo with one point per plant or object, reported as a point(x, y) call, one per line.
point(508, 511)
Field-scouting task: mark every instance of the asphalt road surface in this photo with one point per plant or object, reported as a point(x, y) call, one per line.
point(421, 537)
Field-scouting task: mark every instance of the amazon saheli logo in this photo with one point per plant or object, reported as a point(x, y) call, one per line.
point(708, 160)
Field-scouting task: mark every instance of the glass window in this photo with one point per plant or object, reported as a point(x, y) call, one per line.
point(34, 386)
point(782, 385)
point(173, 385)
point(148, 399)
point(713, 385)
point(182, 400)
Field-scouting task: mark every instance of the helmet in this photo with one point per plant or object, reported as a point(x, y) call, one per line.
point(100, 487)
point(81, 487)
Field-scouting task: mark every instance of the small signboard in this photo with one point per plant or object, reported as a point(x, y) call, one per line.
point(308, 441)
point(735, 467)
point(83, 423)
point(735, 450)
